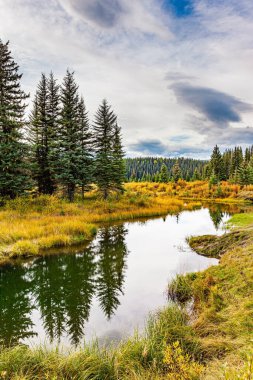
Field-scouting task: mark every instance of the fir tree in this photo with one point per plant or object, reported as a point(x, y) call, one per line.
point(42, 137)
point(104, 133)
point(164, 174)
point(13, 168)
point(216, 164)
point(176, 172)
point(86, 158)
point(70, 153)
point(118, 160)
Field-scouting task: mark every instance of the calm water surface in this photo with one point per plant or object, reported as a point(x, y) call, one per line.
point(107, 289)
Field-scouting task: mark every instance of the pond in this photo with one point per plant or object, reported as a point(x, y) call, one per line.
point(106, 289)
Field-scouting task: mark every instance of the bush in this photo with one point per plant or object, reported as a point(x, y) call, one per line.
point(179, 289)
point(24, 248)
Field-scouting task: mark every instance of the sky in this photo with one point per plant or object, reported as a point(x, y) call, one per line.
point(178, 73)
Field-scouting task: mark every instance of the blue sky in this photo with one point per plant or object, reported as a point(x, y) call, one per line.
point(177, 72)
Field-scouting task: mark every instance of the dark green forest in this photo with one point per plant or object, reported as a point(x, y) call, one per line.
point(234, 165)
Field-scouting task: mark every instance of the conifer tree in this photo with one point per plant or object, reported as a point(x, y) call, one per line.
point(176, 172)
point(86, 157)
point(164, 174)
point(53, 111)
point(13, 167)
point(216, 164)
point(70, 153)
point(118, 160)
point(104, 131)
point(42, 135)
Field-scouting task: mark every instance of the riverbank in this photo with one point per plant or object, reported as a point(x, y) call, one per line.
point(222, 315)
point(176, 344)
point(30, 226)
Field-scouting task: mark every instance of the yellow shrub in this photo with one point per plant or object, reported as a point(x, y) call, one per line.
point(24, 248)
point(179, 365)
point(54, 241)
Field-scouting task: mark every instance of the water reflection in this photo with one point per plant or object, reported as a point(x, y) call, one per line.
point(66, 298)
point(62, 288)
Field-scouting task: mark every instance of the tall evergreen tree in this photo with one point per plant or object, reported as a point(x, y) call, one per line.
point(164, 174)
point(176, 172)
point(104, 135)
point(13, 173)
point(70, 153)
point(86, 158)
point(118, 160)
point(42, 137)
point(216, 164)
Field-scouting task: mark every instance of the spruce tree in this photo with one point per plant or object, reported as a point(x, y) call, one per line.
point(70, 153)
point(104, 132)
point(42, 137)
point(53, 110)
point(164, 174)
point(86, 157)
point(216, 164)
point(118, 160)
point(13, 169)
point(176, 172)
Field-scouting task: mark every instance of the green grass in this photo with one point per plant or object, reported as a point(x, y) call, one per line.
point(242, 220)
point(147, 356)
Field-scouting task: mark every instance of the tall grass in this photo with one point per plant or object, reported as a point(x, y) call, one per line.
point(30, 225)
point(167, 347)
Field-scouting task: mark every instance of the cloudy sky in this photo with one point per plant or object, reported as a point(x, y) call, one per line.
point(179, 73)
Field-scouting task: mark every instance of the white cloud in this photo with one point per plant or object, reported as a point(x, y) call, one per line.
point(130, 54)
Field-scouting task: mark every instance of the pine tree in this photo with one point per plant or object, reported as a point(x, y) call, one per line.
point(104, 130)
point(118, 160)
point(196, 175)
point(42, 136)
point(164, 174)
point(13, 167)
point(53, 111)
point(86, 158)
point(176, 172)
point(70, 153)
point(216, 164)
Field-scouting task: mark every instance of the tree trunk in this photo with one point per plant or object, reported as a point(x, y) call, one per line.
point(71, 192)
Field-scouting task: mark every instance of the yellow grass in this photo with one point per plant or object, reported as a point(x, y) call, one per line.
point(30, 225)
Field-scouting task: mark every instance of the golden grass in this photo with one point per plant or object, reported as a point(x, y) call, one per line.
point(30, 225)
point(200, 190)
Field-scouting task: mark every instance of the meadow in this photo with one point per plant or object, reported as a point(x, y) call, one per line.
point(30, 225)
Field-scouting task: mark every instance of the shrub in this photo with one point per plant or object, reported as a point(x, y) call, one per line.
point(179, 289)
point(180, 366)
point(24, 248)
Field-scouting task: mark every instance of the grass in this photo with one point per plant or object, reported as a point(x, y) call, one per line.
point(198, 190)
point(29, 226)
point(223, 301)
point(165, 351)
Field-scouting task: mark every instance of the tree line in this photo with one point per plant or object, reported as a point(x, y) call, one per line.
point(234, 165)
point(57, 147)
point(158, 169)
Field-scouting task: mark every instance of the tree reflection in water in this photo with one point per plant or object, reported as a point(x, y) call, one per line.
point(61, 288)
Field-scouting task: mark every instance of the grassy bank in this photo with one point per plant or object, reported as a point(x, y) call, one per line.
point(222, 315)
point(198, 190)
point(29, 226)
